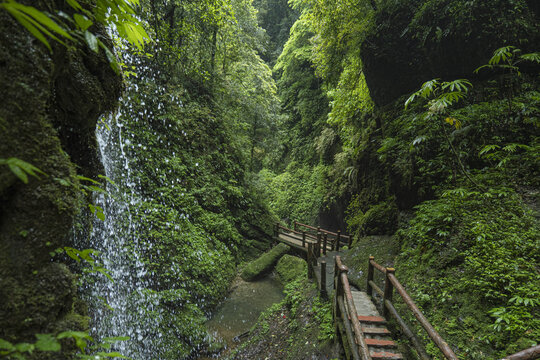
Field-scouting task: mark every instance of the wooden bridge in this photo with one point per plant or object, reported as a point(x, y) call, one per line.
point(360, 328)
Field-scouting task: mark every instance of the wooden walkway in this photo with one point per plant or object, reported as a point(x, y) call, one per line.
point(377, 336)
point(360, 327)
point(322, 264)
point(330, 260)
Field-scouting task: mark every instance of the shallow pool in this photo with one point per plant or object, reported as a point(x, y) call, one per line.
point(241, 309)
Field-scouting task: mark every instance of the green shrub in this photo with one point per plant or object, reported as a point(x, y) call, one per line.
point(469, 261)
point(264, 263)
point(297, 193)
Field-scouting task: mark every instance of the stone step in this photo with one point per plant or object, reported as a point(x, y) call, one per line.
point(375, 331)
point(385, 355)
point(371, 319)
point(380, 343)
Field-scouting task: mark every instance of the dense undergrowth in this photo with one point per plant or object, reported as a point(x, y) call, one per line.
point(469, 260)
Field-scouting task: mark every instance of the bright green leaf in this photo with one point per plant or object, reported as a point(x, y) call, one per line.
point(91, 40)
point(47, 342)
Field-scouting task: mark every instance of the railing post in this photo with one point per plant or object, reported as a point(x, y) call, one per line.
point(388, 289)
point(370, 276)
point(295, 226)
point(350, 241)
point(338, 238)
point(303, 239)
point(323, 278)
point(276, 229)
point(318, 248)
point(325, 242)
point(309, 268)
point(335, 307)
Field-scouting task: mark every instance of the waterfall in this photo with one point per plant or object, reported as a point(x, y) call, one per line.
point(124, 306)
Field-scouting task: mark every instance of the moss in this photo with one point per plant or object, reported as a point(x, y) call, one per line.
point(383, 248)
point(381, 218)
point(264, 263)
point(290, 268)
point(467, 259)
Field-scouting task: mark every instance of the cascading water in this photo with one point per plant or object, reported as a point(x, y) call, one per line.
point(124, 306)
point(125, 300)
point(169, 270)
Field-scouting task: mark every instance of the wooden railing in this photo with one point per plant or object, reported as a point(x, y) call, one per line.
point(345, 313)
point(321, 238)
point(316, 244)
point(391, 282)
point(527, 354)
point(334, 238)
point(312, 250)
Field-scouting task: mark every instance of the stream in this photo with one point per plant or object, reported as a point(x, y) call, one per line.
point(241, 308)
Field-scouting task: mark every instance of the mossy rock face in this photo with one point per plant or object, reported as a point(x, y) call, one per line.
point(264, 263)
point(384, 248)
point(415, 41)
point(37, 295)
point(377, 220)
point(290, 268)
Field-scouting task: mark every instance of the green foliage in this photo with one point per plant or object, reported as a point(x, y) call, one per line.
point(276, 17)
point(297, 193)
point(52, 343)
point(118, 13)
point(475, 252)
point(21, 169)
point(36, 22)
point(294, 295)
point(322, 312)
point(302, 98)
point(508, 58)
point(264, 263)
point(441, 95)
point(378, 219)
point(488, 133)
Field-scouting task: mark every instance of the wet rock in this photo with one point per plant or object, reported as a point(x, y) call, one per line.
point(43, 93)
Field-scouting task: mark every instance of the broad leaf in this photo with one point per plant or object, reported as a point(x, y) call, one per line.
point(47, 342)
point(91, 40)
point(82, 21)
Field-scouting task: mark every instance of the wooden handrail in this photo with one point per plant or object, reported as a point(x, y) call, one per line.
point(344, 285)
point(527, 354)
point(296, 231)
point(392, 282)
point(377, 266)
point(321, 230)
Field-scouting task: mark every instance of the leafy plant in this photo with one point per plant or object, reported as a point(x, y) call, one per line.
point(119, 14)
point(21, 169)
point(508, 59)
point(52, 343)
point(440, 97)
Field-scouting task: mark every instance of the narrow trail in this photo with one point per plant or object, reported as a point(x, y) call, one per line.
point(362, 325)
point(361, 329)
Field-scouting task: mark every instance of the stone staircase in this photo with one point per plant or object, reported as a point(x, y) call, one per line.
point(377, 336)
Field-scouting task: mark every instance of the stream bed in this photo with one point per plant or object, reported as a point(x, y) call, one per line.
point(241, 308)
